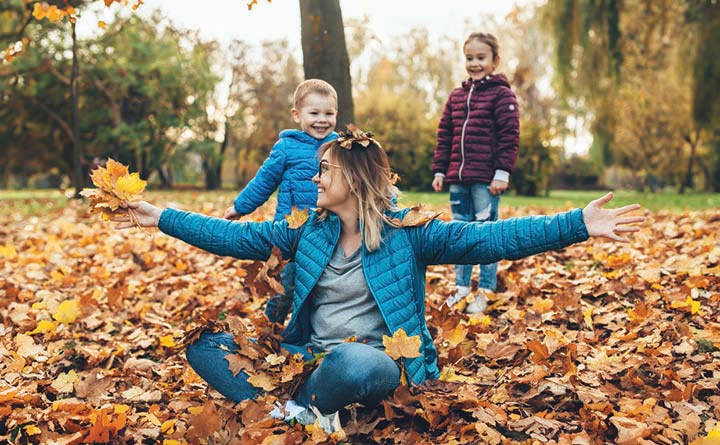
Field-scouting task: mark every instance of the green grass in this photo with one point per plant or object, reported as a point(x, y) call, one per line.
point(38, 202)
point(564, 199)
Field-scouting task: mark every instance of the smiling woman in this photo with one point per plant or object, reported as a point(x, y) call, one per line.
point(361, 273)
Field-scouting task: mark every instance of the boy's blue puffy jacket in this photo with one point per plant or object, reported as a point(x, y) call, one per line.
point(395, 272)
point(291, 165)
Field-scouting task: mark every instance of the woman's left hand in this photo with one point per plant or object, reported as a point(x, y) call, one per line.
point(140, 213)
point(610, 223)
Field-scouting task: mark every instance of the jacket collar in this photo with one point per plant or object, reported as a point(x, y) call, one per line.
point(303, 137)
point(494, 79)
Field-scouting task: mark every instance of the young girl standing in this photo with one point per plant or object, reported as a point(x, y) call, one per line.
point(477, 145)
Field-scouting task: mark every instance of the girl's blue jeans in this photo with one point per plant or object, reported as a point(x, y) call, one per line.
point(350, 373)
point(474, 202)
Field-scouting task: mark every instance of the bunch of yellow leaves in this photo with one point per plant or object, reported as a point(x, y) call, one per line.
point(115, 185)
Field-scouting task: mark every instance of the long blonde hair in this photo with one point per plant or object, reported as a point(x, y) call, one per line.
point(367, 171)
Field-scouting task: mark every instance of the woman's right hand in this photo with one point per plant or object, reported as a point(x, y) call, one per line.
point(437, 183)
point(144, 214)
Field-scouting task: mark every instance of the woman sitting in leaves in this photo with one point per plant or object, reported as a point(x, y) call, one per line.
point(361, 273)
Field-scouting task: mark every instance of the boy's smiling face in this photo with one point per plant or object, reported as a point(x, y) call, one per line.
point(316, 115)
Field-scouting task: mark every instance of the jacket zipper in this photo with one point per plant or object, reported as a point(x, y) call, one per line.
point(462, 135)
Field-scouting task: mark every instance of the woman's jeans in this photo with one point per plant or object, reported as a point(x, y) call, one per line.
point(474, 202)
point(350, 373)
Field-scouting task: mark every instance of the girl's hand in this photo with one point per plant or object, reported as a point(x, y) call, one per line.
point(610, 222)
point(143, 214)
point(497, 187)
point(437, 183)
point(231, 213)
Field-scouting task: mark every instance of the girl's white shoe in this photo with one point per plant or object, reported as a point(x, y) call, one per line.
point(479, 304)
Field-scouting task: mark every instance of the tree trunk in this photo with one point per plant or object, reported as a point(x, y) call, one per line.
point(694, 142)
point(78, 179)
point(325, 55)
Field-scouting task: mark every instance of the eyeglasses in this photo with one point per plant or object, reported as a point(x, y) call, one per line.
point(324, 167)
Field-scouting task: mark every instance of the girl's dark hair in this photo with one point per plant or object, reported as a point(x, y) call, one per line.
point(486, 38)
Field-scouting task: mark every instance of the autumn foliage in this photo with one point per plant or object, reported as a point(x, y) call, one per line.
point(598, 343)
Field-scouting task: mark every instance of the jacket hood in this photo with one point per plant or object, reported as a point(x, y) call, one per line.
point(494, 79)
point(306, 138)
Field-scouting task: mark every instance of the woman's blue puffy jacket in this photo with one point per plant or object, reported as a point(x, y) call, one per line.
point(395, 272)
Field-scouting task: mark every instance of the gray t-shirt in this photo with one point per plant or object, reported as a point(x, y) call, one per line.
point(342, 305)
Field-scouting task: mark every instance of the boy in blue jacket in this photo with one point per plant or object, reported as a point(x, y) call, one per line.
point(291, 166)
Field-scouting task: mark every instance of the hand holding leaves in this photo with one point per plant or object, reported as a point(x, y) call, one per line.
point(143, 214)
point(610, 223)
point(115, 185)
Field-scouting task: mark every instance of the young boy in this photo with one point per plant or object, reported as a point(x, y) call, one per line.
point(291, 165)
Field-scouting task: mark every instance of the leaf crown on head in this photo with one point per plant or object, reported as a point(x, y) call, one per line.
point(354, 135)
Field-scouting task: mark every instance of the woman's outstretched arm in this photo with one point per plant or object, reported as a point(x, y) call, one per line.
point(472, 243)
point(243, 240)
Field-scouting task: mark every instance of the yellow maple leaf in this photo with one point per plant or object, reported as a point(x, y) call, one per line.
point(400, 345)
point(8, 251)
point(167, 341)
point(31, 430)
point(44, 326)
point(448, 374)
point(67, 312)
point(167, 426)
point(485, 321)
point(297, 217)
point(457, 335)
point(64, 382)
point(543, 305)
point(128, 186)
point(692, 306)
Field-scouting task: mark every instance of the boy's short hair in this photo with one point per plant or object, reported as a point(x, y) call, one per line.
point(313, 86)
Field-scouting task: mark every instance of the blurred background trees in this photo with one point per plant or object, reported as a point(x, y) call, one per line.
point(640, 78)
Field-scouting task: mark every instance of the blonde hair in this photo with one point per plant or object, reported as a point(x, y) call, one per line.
point(367, 171)
point(313, 86)
point(486, 38)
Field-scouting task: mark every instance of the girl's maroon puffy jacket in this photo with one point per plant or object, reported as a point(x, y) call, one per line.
point(471, 146)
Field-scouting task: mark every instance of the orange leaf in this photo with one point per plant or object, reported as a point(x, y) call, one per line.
point(539, 350)
point(400, 345)
point(263, 381)
point(416, 217)
point(297, 217)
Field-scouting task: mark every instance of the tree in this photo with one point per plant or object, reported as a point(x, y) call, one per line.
point(325, 53)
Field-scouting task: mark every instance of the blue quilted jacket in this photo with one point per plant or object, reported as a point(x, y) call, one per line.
point(291, 165)
point(395, 272)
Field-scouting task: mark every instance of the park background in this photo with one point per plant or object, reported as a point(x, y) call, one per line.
point(598, 343)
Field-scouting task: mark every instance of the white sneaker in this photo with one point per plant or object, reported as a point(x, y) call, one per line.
point(462, 292)
point(307, 416)
point(480, 303)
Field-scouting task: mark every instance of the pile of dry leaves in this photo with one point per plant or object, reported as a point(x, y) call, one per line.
point(598, 343)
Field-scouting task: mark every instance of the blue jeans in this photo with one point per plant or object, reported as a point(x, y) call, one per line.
point(278, 306)
point(474, 202)
point(350, 373)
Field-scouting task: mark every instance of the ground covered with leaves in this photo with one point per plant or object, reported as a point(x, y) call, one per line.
point(598, 343)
